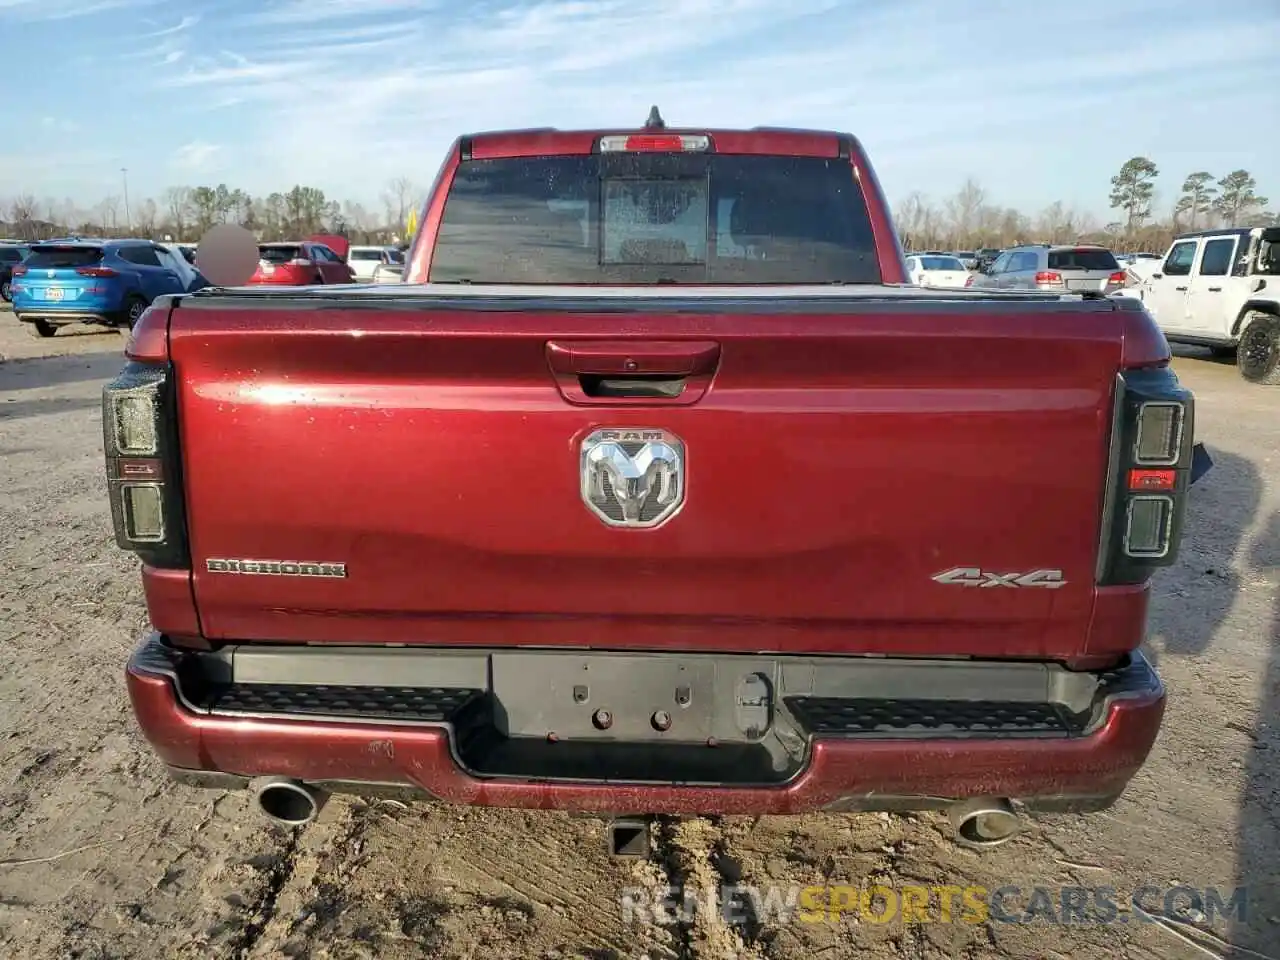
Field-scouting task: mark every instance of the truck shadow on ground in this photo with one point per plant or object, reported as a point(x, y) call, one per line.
point(34, 374)
point(1258, 834)
point(78, 375)
point(1196, 595)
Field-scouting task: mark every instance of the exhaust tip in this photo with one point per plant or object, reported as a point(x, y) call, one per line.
point(984, 822)
point(288, 802)
point(629, 837)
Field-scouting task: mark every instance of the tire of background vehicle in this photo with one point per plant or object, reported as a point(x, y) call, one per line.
point(1258, 357)
point(43, 328)
point(1223, 353)
point(4, 292)
point(133, 308)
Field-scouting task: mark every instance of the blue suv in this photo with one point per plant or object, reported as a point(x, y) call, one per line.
point(108, 282)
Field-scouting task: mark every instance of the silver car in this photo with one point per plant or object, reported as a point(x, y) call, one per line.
point(1064, 269)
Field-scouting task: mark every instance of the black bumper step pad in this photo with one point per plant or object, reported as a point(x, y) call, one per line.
point(407, 704)
point(906, 719)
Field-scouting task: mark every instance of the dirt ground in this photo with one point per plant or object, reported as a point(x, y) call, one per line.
point(102, 857)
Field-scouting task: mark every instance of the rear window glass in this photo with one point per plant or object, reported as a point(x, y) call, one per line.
point(655, 218)
point(1082, 260)
point(940, 263)
point(359, 254)
point(395, 256)
point(10, 255)
point(279, 253)
point(64, 256)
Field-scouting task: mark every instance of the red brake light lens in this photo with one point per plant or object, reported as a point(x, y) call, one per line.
point(19, 271)
point(1119, 277)
point(96, 272)
point(1152, 479)
point(654, 143)
point(1049, 277)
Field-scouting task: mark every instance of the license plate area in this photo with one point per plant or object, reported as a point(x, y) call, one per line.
point(623, 697)
point(53, 293)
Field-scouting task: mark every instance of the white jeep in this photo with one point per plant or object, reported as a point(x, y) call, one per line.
point(1219, 289)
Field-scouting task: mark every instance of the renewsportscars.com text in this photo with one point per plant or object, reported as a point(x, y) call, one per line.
point(934, 904)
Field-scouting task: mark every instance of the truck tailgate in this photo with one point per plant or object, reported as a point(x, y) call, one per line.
point(846, 455)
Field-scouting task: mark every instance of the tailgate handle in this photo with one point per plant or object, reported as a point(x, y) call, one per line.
point(633, 371)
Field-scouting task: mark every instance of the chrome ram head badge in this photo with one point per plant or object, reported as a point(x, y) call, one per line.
point(632, 477)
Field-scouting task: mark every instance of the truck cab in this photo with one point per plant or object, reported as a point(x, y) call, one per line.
point(1219, 289)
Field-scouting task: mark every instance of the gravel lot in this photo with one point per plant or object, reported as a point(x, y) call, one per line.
point(100, 856)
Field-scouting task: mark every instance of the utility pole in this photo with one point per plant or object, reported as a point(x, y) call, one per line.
point(128, 221)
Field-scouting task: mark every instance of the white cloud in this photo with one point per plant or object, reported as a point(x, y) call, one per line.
point(345, 94)
point(181, 27)
point(43, 10)
point(195, 157)
point(58, 125)
point(396, 87)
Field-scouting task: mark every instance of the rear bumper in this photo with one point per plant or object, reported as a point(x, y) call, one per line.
point(222, 719)
point(94, 311)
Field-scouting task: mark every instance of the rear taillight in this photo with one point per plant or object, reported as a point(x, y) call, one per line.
point(1150, 473)
point(968, 281)
point(139, 436)
point(1048, 278)
point(19, 271)
point(96, 272)
point(1117, 279)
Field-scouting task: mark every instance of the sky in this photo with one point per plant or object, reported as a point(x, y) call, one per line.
point(1038, 102)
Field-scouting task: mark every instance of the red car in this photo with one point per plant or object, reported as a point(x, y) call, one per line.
point(658, 489)
point(300, 264)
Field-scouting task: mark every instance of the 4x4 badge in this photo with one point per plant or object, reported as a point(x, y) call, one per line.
point(977, 577)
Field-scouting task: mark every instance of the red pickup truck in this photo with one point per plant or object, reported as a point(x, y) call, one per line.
point(654, 489)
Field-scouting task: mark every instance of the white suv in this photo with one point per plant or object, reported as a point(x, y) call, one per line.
point(1218, 289)
point(363, 261)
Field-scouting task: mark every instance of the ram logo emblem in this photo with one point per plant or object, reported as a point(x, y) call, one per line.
point(631, 477)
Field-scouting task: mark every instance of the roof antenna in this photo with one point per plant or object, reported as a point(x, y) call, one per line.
point(655, 121)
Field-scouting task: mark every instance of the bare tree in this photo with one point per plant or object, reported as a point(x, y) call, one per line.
point(398, 200)
point(22, 211)
point(109, 211)
point(964, 211)
point(145, 216)
point(177, 204)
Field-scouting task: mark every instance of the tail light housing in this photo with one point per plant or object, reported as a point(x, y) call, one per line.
point(139, 433)
point(1047, 278)
point(968, 281)
point(1118, 279)
point(19, 271)
point(96, 272)
point(1150, 471)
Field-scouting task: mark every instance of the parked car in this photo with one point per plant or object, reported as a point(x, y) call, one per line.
point(185, 266)
point(986, 257)
point(936, 271)
point(1066, 269)
point(388, 273)
point(299, 264)
point(661, 613)
point(11, 254)
point(108, 282)
point(364, 260)
point(1219, 289)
